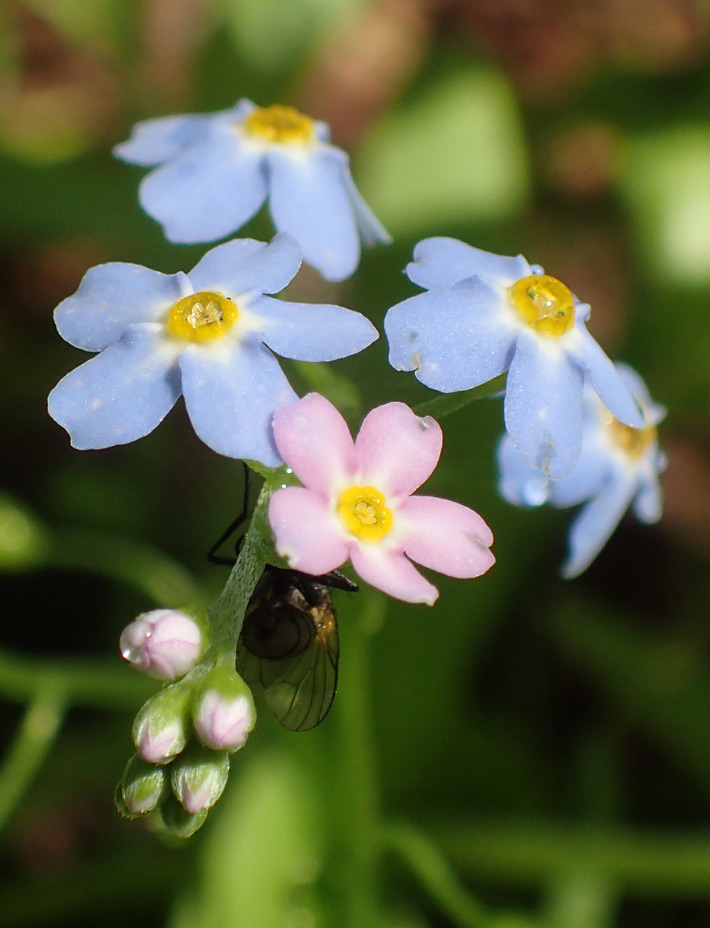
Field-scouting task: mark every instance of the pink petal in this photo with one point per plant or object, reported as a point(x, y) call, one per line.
point(391, 572)
point(445, 536)
point(306, 532)
point(396, 449)
point(315, 442)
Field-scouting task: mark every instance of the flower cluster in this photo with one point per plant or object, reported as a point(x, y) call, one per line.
point(579, 430)
point(185, 733)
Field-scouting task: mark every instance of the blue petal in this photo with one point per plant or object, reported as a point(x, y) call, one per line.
point(322, 130)
point(648, 504)
point(634, 382)
point(593, 469)
point(605, 378)
point(595, 524)
point(245, 265)
point(312, 332)
point(210, 190)
point(454, 338)
point(441, 261)
point(543, 406)
point(654, 412)
point(157, 140)
point(309, 200)
point(112, 297)
point(519, 483)
point(231, 397)
point(371, 229)
point(120, 395)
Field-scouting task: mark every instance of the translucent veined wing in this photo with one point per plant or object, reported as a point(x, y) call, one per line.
point(289, 646)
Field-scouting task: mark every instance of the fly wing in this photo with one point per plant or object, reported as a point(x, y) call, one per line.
point(299, 689)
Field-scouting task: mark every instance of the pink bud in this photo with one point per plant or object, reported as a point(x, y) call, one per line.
point(223, 723)
point(163, 643)
point(198, 778)
point(159, 729)
point(159, 747)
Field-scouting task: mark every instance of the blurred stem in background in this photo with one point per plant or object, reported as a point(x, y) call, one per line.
point(34, 739)
point(359, 796)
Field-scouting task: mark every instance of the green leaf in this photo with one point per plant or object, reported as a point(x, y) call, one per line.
point(666, 184)
point(454, 154)
point(88, 24)
point(271, 35)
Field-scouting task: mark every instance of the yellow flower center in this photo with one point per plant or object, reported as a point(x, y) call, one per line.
point(363, 512)
point(544, 303)
point(281, 124)
point(202, 317)
point(633, 442)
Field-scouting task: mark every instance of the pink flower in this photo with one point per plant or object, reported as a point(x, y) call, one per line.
point(356, 502)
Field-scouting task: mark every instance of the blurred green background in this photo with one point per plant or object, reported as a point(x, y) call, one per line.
point(529, 752)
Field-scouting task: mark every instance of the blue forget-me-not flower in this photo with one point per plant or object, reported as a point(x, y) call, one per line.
point(215, 171)
point(208, 334)
point(484, 314)
point(618, 467)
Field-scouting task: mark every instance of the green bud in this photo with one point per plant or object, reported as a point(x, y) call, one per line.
point(120, 802)
point(143, 786)
point(160, 728)
point(177, 821)
point(198, 777)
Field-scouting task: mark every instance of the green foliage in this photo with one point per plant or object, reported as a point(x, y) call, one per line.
point(454, 151)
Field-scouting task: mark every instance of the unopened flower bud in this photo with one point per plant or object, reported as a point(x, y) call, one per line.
point(160, 728)
point(198, 778)
point(163, 643)
point(223, 712)
point(120, 803)
point(142, 786)
point(177, 821)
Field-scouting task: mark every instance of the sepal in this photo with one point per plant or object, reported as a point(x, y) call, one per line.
point(142, 787)
point(177, 821)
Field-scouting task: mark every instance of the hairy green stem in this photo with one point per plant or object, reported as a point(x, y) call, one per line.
point(446, 403)
point(226, 616)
